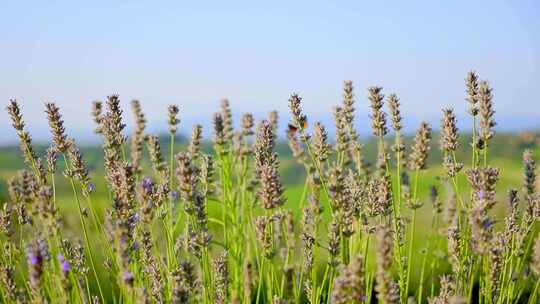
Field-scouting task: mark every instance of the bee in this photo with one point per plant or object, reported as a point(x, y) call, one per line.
point(304, 123)
point(292, 129)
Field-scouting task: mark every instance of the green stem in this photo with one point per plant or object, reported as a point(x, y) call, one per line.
point(534, 294)
point(319, 171)
point(411, 243)
point(87, 241)
point(366, 256)
point(473, 158)
point(424, 261)
point(345, 249)
point(320, 289)
point(260, 283)
point(85, 232)
point(398, 175)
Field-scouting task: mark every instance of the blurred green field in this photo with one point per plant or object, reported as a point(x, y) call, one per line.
point(505, 154)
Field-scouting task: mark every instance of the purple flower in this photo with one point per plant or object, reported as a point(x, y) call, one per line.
point(35, 259)
point(134, 218)
point(34, 254)
point(91, 187)
point(147, 183)
point(128, 277)
point(64, 264)
point(123, 239)
point(43, 249)
point(481, 194)
point(174, 194)
point(135, 245)
point(35, 263)
point(487, 223)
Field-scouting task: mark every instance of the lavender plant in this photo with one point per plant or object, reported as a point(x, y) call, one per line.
point(219, 227)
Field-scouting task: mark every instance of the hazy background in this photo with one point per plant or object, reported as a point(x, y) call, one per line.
point(193, 54)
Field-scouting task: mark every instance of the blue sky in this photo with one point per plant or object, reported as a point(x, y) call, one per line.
point(195, 53)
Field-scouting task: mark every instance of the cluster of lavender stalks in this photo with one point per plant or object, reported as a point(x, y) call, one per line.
point(349, 239)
